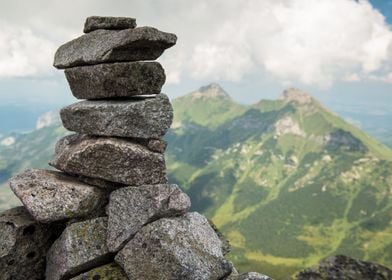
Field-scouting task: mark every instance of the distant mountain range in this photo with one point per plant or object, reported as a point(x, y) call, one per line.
point(287, 181)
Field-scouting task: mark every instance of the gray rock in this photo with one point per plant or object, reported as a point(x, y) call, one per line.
point(253, 276)
point(226, 247)
point(81, 246)
point(116, 23)
point(100, 183)
point(131, 208)
point(234, 273)
point(52, 196)
point(110, 271)
point(343, 267)
point(23, 245)
point(184, 248)
point(157, 145)
point(111, 159)
point(102, 46)
point(133, 118)
point(110, 80)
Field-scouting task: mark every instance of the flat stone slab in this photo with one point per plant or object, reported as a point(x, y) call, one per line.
point(81, 246)
point(110, 271)
point(111, 80)
point(103, 46)
point(133, 118)
point(111, 159)
point(184, 248)
point(23, 245)
point(52, 196)
point(131, 208)
point(116, 23)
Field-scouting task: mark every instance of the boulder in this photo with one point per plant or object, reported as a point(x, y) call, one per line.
point(343, 267)
point(110, 271)
point(81, 247)
point(114, 23)
point(133, 118)
point(52, 196)
point(103, 46)
point(111, 80)
point(184, 248)
point(111, 159)
point(131, 208)
point(23, 245)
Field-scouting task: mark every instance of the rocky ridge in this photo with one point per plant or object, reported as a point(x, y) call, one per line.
point(110, 212)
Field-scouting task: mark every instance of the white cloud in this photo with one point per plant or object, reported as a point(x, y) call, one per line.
point(23, 53)
point(314, 42)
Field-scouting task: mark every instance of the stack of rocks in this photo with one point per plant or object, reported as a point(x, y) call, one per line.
point(110, 212)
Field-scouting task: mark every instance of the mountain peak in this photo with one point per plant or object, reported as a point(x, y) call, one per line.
point(212, 90)
point(295, 94)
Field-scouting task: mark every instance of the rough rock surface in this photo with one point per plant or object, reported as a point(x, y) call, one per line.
point(23, 245)
point(342, 267)
point(110, 271)
point(100, 183)
point(102, 46)
point(117, 23)
point(226, 247)
point(81, 246)
point(111, 159)
point(131, 208)
point(52, 196)
point(111, 80)
point(135, 118)
point(157, 145)
point(252, 276)
point(184, 248)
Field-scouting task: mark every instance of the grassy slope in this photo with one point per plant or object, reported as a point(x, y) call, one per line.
point(282, 216)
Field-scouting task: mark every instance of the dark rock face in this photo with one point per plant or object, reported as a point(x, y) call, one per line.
point(82, 246)
point(115, 23)
point(102, 46)
point(342, 267)
point(341, 139)
point(98, 157)
point(131, 208)
point(52, 196)
point(184, 248)
point(137, 118)
point(23, 245)
point(110, 271)
point(111, 80)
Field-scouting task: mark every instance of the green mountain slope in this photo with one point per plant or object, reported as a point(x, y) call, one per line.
point(287, 181)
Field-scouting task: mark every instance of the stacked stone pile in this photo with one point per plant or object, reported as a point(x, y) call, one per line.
point(109, 212)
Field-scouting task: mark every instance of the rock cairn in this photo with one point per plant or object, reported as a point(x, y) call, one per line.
point(109, 212)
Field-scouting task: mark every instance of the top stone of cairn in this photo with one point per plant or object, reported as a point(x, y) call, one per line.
point(111, 23)
point(104, 46)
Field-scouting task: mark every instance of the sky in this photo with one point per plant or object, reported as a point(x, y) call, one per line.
point(338, 50)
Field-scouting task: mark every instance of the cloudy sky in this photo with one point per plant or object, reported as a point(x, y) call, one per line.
point(255, 49)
